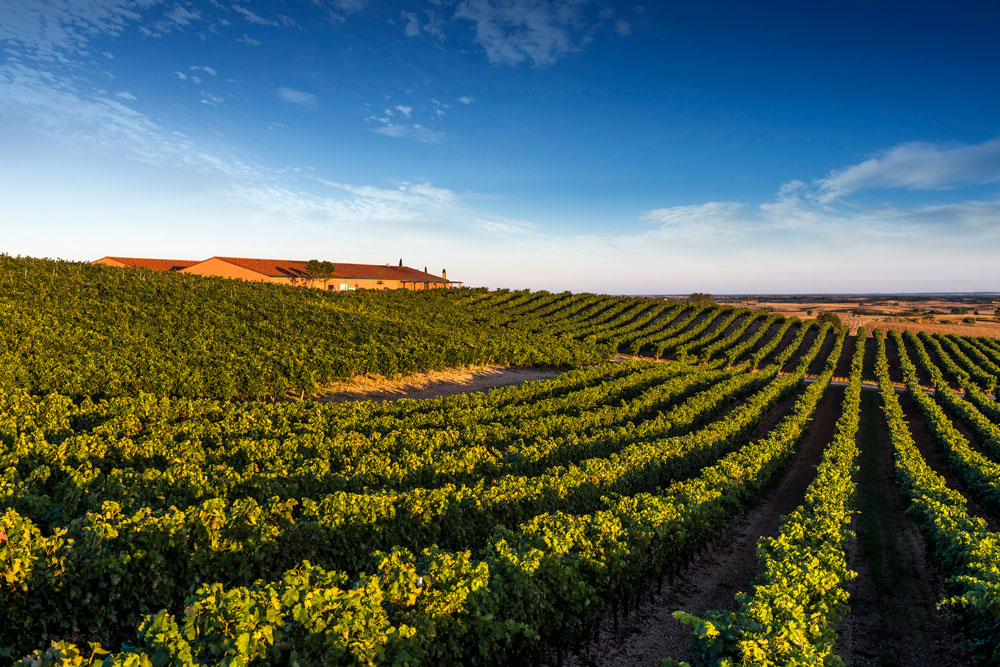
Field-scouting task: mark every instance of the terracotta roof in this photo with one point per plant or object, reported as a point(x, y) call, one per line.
point(294, 268)
point(156, 264)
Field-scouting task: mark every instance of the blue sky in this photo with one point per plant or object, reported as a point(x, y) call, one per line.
point(728, 147)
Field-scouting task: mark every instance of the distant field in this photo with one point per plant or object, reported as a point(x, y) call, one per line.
point(895, 314)
point(171, 495)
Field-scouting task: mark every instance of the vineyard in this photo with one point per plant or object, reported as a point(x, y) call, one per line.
point(700, 485)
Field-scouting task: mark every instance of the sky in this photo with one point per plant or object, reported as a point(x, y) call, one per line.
point(662, 148)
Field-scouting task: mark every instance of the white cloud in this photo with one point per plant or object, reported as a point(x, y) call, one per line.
point(465, 99)
point(300, 97)
point(206, 70)
point(415, 131)
point(412, 28)
point(917, 166)
point(50, 30)
point(254, 18)
point(181, 16)
point(338, 10)
point(406, 193)
point(538, 32)
point(405, 110)
point(708, 219)
point(181, 75)
point(126, 96)
point(213, 100)
point(108, 55)
point(249, 41)
point(433, 25)
point(54, 106)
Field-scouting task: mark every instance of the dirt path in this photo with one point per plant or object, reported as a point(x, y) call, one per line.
point(806, 344)
point(718, 572)
point(868, 365)
point(782, 344)
point(937, 460)
point(816, 367)
point(892, 356)
point(911, 353)
point(843, 367)
point(763, 340)
point(432, 384)
point(893, 599)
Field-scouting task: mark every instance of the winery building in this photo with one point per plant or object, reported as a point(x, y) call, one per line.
point(292, 272)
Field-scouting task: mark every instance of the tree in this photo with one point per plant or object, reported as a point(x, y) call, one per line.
point(400, 261)
point(320, 269)
point(700, 297)
point(832, 318)
point(996, 314)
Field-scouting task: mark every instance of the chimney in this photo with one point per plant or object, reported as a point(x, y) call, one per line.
point(444, 274)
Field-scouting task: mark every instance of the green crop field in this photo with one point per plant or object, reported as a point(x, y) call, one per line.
point(171, 495)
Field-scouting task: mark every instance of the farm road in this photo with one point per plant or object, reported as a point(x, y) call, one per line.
point(892, 601)
point(718, 572)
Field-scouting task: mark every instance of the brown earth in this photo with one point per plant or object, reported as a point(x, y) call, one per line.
point(816, 367)
point(782, 344)
point(843, 367)
point(806, 344)
point(937, 459)
point(892, 356)
point(432, 384)
point(885, 311)
point(892, 600)
point(717, 572)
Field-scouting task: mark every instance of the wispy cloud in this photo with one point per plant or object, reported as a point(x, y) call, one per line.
point(414, 131)
point(917, 166)
point(254, 18)
point(338, 10)
point(51, 30)
point(210, 99)
point(299, 97)
point(405, 110)
point(465, 99)
point(55, 106)
point(432, 24)
point(249, 41)
point(199, 68)
point(538, 32)
point(182, 16)
point(129, 97)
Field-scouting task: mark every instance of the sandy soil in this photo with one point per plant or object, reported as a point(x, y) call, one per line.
point(718, 572)
point(892, 601)
point(432, 384)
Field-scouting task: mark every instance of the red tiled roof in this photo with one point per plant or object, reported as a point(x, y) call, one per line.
point(294, 268)
point(156, 264)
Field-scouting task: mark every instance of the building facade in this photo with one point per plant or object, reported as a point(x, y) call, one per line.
point(345, 277)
